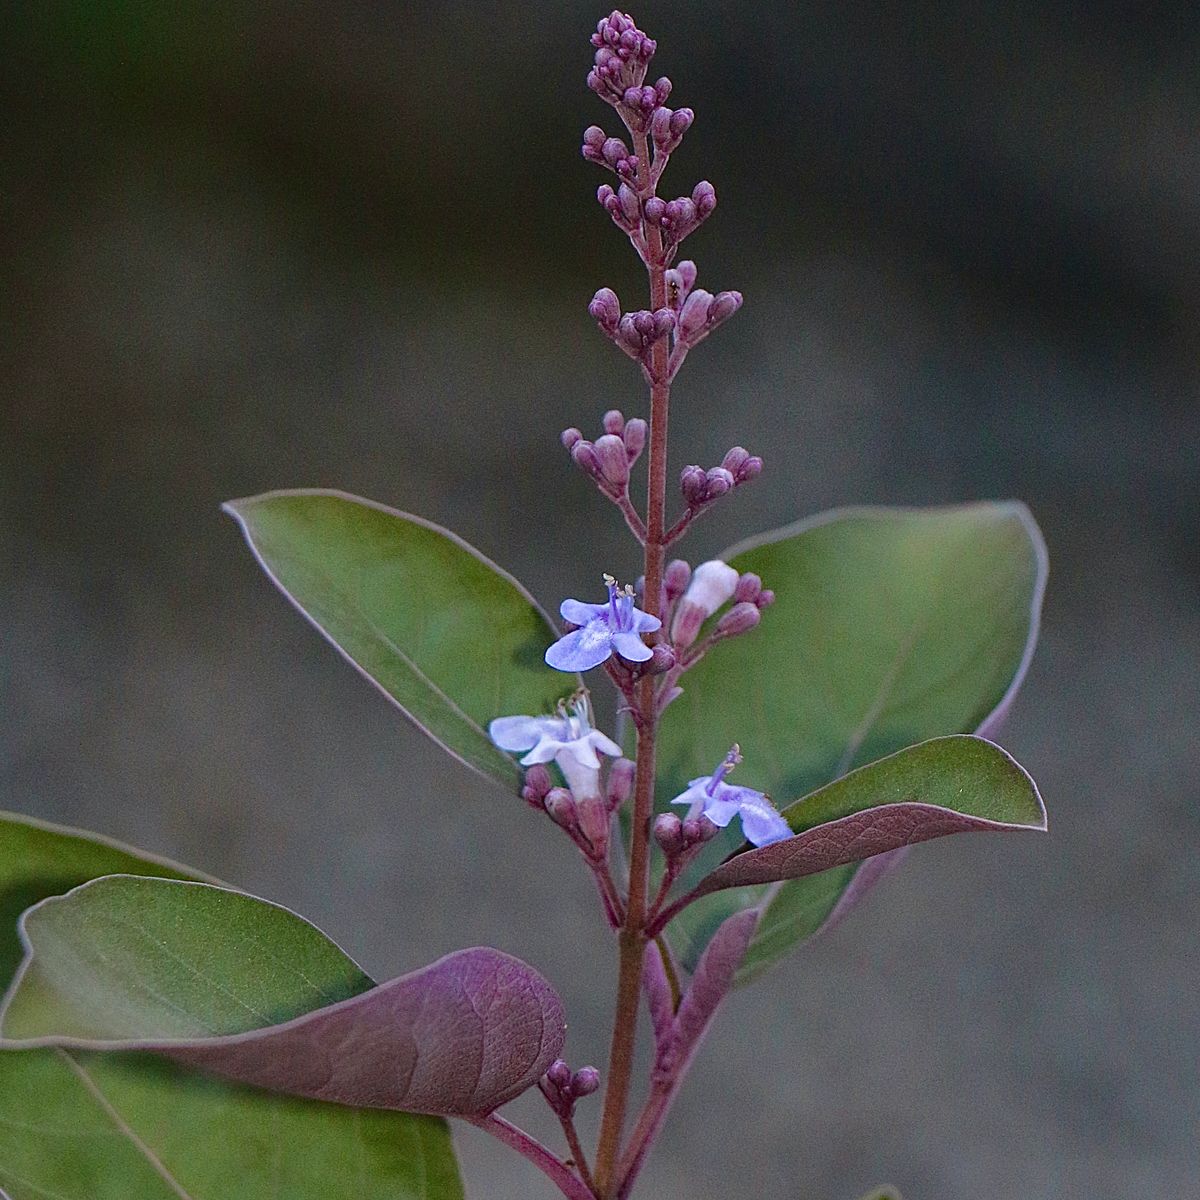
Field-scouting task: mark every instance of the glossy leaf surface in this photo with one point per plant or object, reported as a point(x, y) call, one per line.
point(446, 634)
point(890, 627)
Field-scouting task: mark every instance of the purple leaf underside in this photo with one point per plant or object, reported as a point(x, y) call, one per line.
point(460, 1037)
point(861, 835)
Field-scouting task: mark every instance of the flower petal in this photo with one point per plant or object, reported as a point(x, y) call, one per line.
point(721, 812)
point(761, 823)
point(580, 751)
point(644, 622)
point(516, 733)
point(630, 646)
point(604, 744)
point(579, 613)
point(581, 650)
point(546, 750)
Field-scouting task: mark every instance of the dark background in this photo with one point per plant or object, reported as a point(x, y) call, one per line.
point(250, 245)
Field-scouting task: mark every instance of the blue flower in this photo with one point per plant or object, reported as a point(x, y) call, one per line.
point(566, 738)
point(710, 796)
point(603, 628)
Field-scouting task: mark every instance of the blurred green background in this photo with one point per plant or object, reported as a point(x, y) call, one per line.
point(250, 245)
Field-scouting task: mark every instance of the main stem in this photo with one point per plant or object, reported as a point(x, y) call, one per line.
point(633, 935)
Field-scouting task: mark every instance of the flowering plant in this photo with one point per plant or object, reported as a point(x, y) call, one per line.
point(165, 1034)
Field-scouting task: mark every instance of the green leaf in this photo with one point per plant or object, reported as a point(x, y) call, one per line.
point(889, 627)
point(80, 1126)
point(441, 630)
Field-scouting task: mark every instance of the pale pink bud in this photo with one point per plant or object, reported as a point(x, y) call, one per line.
point(569, 437)
point(675, 579)
point(693, 483)
point(713, 583)
point(718, 483)
point(613, 421)
point(668, 833)
point(635, 438)
point(560, 806)
point(741, 618)
point(613, 461)
point(618, 787)
point(749, 586)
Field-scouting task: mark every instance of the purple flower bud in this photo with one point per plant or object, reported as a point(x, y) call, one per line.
point(653, 210)
point(661, 660)
point(748, 587)
point(693, 483)
point(630, 205)
point(583, 455)
point(680, 215)
point(585, 1081)
point(766, 598)
point(614, 150)
point(594, 819)
point(685, 629)
point(613, 421)
point(569, 437)
point(704, 197)
point(593, 136)
point(676, 578)
point(613, 461)
point(719, 482)
point(662, 89)
point(734, 460)
point(751, 469)
point(664, 322)
point(618, 787)
point(607, 199)
point(724, 305)
point(687, 273)
point(681, 122)
point(559, 1074)
point(741, 618)
point(643, 322)
point(635, 438)
point(668, 833)
point(660, 125)
point(693, 319)
point(560, 806)
point(537, 785)
point(605, 308)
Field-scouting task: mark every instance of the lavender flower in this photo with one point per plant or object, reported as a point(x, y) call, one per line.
point(566, 738)
point(603, 629)
point(710, 796)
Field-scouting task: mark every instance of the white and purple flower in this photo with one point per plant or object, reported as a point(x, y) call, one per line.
point(567, 738)
point(710, 796)
point(604, 629)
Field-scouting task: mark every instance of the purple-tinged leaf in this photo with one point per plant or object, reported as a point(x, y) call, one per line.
point(247, 990)
point(947, 785)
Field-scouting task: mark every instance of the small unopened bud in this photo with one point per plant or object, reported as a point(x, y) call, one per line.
point(614, 151)
point(661, 660)
point(613, 461)
point(634, 436)
point(613, 421)
point(559, 1074)
point(630, 206)
point(668, 833)
point(681, 122)
point(693, 483)
point(605, 310)
point(537, 785)
point(704, 197)
point(664, 322)
point(662, 89)
point(751, 469)
point(685, 628)
point(697, 830)
point(734, 459)
point(619, 784)
point(713, 583)
point(653, 210)
point(593, 136)
point(749, 586)
point(693, 318)
point(741, 618)
point(675, 579)
point(560, 806)
point(687, 273)
point(724, 305)
point(766, 598)
point(569, 437)
point(585, 1081)
point(583, 455)
point(719, 482)
point(593, 818)
point(618, 787)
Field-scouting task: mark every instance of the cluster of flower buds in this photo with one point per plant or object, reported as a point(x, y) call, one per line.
point(562, 1087)
point(585, 818)
point(636, 333)
point(679, 838)
point(667, 127)
point(691, 597)
point(700, 488)
point(677, 218)
point(609, 152)
point(609, 459)
point(623, 53)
